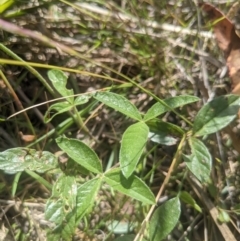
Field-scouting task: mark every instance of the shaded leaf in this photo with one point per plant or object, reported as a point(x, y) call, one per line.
point(165, 128)
point(133, 186)
point(118, 103)
point(129, 237)
point(132, 145)
point(236, 209)
point(20, 159)
point(80, 153)
point(200, 161)
point(187, 198)
point(64, 106)
point(216, 115)
point(173, 102)
point(59, 108)
point(164, 219)
point(59, 81)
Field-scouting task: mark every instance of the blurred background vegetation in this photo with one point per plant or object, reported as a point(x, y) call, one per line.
point(165, 47)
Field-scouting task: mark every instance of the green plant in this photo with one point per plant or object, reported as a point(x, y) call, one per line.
point(72, 197)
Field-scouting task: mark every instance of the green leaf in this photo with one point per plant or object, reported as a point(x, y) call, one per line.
point(200, 161)
point(5, 4)
point(59, 81)
point(173, 102)
point(84, 200)
point(80, 153)
point(75, 169)
point(163, 132)
point(65, 230)
point(223, 216)
point(86, 194)
point(120, 227)
point(164, 219)
point(63, 199)
point(64, 106)
point(54, 211)
point(165, 128)
point(133, 186)
point(236, 209)
point(15, 183)
point(68, 227)
point(129, 237)
point(82, 99)
point(133, 143)
point(60, 107)
point(119, 103)
point(216, 114)
point(51, 235)
point(187, 198)
point(3, 187)
point(162, 138)
point(19, 159)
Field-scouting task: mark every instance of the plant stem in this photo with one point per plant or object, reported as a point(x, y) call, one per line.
point(170, 171)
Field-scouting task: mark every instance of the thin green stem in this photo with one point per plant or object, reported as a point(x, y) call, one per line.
point(39, 179)
point(166, 180)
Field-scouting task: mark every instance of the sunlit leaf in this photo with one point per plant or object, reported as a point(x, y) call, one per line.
point(132, 145)
point(63, 199)
point(200, 161)
point(59, 81)
point(163, 139)
point(80, 153)
point(120, 227)
point(133, 186)
point(5, 4)
point(119, 103)
point(216, 114)
point(86, 196)
point(173, 102)
point(20, 159)
point(223, 216)
point(164, 219)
